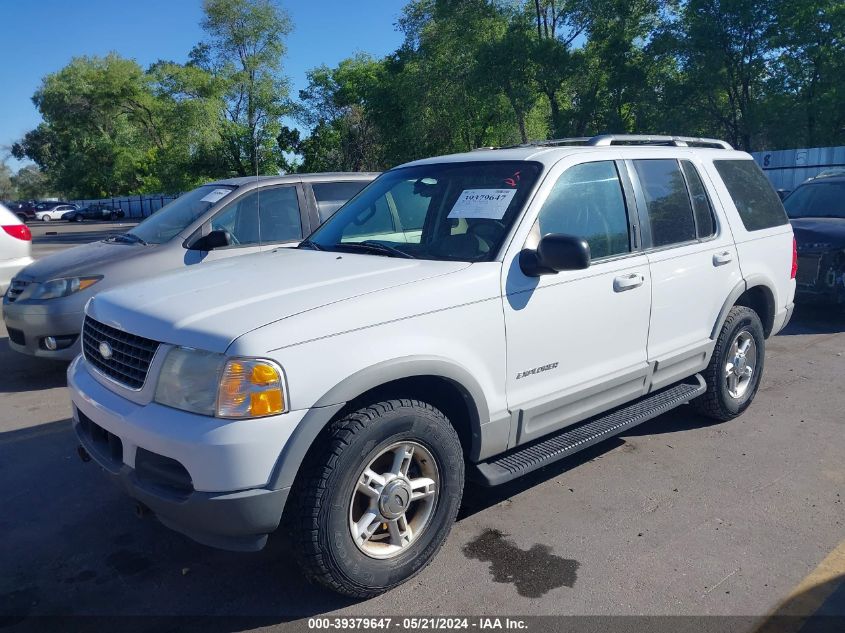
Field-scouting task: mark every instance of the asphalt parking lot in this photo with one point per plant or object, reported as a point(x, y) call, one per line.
point(680, 516)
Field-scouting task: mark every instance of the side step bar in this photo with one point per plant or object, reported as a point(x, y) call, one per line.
point(524, 459)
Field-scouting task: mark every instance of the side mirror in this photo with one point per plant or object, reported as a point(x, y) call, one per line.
point(554, 253)
point(215, 239)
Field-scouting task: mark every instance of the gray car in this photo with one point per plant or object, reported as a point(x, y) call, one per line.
point(43, 308)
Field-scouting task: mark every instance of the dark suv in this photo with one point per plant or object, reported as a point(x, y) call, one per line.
point(25, 210)
point(817, 212)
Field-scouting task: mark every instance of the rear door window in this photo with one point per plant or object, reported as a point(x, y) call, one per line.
point(333, 195)
point(667, 201)
point(758, 205)
point(279, 217)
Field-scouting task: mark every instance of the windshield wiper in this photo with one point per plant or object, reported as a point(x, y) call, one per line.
point(371, 246)
point(306, 243)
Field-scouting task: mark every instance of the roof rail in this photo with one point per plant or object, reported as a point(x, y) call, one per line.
point(648, 139)
point(605, 140)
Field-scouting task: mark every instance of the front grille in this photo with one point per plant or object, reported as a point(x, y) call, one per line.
point(15, 289)
point(808, 270)
point(130, 358)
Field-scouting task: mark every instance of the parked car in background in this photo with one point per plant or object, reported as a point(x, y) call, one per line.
point(94, 212)
point(48, 212)
point(15, 246)
point(482, 314)
point(830, 171)
point(25, 210)
point(43, 308)
point(817, 212)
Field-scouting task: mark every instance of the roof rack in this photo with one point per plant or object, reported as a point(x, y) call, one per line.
point(649, 139)
point(605, 140)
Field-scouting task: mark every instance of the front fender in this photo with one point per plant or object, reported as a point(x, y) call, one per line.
point(369, 378)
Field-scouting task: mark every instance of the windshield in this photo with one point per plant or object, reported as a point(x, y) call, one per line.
point(172, 218)
point(446, 211)
point(817, 200)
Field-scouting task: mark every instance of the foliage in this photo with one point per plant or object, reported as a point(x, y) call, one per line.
point(468, 73)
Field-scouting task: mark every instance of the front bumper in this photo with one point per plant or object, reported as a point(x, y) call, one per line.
point(32, 322)
point(224, 497)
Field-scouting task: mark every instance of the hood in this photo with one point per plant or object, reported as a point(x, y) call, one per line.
point(812, 232)
point(88, 259)
point(210, 305)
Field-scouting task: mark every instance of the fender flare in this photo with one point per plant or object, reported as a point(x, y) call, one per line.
point(743, 286)
point(321, 413)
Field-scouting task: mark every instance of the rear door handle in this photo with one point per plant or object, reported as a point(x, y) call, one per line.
point(720, 259)
point(628, 282)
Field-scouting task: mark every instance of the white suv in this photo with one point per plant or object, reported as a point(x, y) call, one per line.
point(483, 314)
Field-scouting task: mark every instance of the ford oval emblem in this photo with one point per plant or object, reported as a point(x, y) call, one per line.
point(105, 350)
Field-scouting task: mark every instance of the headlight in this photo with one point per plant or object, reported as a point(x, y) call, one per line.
point(56, 288)
point(211, 384)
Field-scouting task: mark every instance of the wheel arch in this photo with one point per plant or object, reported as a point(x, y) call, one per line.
point(438, 381)
point(755, 293)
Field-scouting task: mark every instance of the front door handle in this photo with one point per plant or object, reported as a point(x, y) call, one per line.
point(720, 259)
point(628, 282)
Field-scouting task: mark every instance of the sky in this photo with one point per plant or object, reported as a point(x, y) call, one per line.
point(41, 36)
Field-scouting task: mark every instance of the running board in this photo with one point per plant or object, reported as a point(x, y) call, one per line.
point(577, 437)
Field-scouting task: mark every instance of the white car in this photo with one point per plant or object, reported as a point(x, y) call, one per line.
point(15, 247)
point(481, 315)
point(53, 213)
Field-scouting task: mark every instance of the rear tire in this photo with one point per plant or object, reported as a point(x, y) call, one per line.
point(355, 531)
point(736, 367)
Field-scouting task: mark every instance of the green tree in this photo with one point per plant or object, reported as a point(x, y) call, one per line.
point(7, 188)
point(806, 88)
point(245, 49)
point(724, 50)
point(100, 127)
point(30, 183)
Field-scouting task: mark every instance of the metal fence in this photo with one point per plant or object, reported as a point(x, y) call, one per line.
point(140, 206)
point(786, 169)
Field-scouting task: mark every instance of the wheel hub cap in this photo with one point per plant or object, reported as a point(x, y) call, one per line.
point(741, 364)
point(395, 498)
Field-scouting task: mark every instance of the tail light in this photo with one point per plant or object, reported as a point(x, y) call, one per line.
point(794, 259)
point(19, 231)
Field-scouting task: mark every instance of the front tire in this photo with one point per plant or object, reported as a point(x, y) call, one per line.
point(46, 218)
point(377, 496)
point(736, 367)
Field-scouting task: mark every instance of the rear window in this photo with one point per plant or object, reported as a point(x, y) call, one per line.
point(756, 201)
point(333, 195)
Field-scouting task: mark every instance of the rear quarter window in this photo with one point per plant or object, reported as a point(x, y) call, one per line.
point(756, 201)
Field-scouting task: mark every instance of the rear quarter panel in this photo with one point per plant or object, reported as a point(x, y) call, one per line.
point(765, 256)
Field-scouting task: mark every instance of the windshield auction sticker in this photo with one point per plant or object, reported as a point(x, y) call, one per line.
point(489, 204)
point(215, 195)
